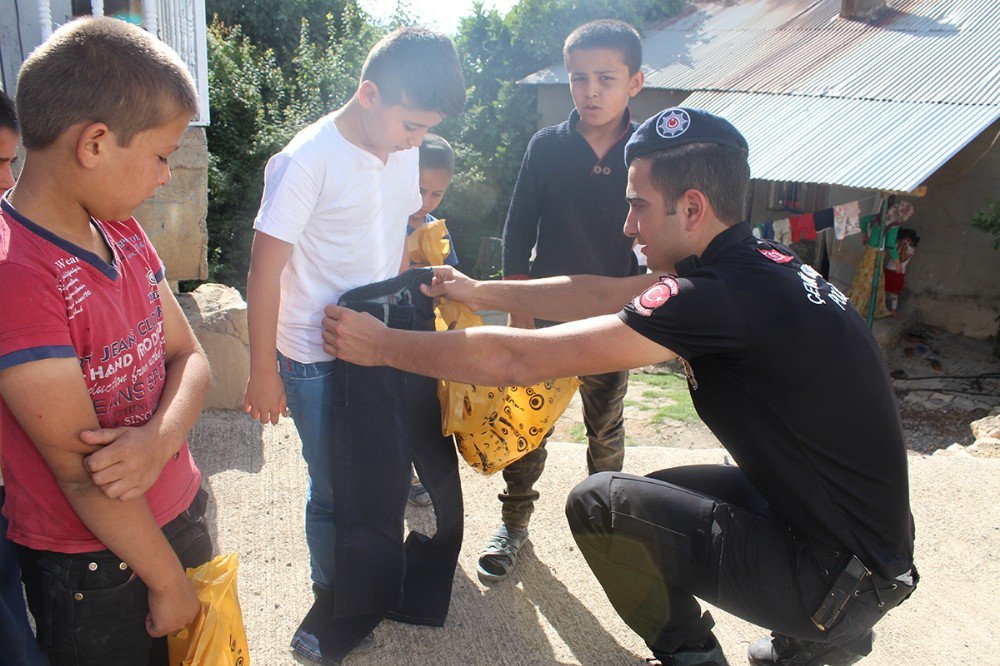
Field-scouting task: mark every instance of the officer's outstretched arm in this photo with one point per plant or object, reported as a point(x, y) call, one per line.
point(492, 355)
point(564, 298)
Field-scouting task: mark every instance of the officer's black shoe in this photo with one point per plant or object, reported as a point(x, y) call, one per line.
point(778, 650)
point(707, 655)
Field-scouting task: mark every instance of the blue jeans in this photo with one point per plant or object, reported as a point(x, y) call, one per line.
point(90, 608)
point(16, 637)
point(310, 390)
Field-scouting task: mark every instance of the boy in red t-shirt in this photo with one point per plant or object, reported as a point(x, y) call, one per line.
point(100, 375)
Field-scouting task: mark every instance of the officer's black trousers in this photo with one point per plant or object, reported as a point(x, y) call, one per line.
point(657, 542)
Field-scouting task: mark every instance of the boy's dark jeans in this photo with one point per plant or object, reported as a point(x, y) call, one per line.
point(383, 419)
point(89, 608)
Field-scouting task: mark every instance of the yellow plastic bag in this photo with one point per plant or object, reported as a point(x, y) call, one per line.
point(429, 244)
point(518, 426)
point(493, 426)
point(217, 636)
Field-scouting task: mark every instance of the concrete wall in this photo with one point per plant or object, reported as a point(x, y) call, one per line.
point(954, 278)
point(175, 218)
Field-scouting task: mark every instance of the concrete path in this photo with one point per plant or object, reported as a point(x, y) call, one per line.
point(554, 612)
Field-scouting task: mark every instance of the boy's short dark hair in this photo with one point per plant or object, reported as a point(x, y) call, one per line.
point(101, 69)
point(419, 68)
point(8, 117)
point(607, 34)
point(721, 173)
point(436, 153)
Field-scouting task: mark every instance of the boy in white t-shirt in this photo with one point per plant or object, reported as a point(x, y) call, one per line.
point(329, 221)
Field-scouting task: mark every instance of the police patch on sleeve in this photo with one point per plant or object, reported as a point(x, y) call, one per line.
point(655, 296)
point(773, 253)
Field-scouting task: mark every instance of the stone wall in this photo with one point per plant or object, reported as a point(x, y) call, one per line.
point(218, 316)
point(175, 218)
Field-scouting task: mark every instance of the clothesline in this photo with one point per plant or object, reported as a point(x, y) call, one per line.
point(844, 219)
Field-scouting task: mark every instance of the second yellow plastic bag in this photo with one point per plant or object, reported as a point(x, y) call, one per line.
point(217, 636)
point(493, 426)
point(516, 427)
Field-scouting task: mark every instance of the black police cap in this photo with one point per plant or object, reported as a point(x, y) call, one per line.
point(677, 126)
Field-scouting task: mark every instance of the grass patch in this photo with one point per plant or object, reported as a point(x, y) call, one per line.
point(671, 389)
point(684, 413)
point(669, 380)
point(578, 433)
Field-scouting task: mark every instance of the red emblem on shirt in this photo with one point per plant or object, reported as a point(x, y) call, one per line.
point(656, 295)
point(777, 256)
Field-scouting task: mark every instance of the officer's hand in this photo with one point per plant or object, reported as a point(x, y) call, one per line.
point(355, 337)
point(452, 284)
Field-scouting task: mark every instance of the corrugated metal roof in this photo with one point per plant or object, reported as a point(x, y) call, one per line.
point(832, 100)
point(858, 143)
point(920, 50)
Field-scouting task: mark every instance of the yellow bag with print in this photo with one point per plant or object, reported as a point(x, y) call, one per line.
point(524, 416)
point(493, 426)
point(217, 636)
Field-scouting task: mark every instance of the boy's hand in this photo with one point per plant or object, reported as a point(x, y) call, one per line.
point(351, 336)
point(452, 284)
point(128, 463)
point(264, 398)
point(172, 609)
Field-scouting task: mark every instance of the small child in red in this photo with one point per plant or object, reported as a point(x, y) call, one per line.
point(895, 266)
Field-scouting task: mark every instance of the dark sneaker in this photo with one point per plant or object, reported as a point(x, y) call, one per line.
point(709, 655)
point(785, 650)
point(500, 555)
point(418, 494)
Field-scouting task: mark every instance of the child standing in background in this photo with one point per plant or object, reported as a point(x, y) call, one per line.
point(568, 212)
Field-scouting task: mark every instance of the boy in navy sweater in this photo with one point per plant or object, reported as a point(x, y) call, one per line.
point(568, 207)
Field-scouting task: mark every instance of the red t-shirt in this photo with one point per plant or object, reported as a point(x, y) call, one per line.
point(60, 301)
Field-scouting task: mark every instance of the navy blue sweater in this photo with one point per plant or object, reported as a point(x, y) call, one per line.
point(569, 206)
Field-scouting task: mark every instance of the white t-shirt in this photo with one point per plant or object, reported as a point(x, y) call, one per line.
point(340, 206)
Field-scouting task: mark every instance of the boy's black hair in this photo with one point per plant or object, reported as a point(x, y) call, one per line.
point(436, 153)
point(419, 68)
point(8, 117)
point(721, 173)
point(607, 34)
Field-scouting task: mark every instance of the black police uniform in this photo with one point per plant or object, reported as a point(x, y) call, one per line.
point(788, 377)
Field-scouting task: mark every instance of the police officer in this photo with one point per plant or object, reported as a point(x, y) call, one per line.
point(811, 535)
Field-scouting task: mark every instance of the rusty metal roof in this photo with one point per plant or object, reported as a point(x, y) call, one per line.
point(921, 65)
point(857, 143)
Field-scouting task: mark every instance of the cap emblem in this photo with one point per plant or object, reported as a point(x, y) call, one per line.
point(673, 123)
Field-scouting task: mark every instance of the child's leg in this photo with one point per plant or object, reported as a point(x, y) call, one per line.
point(89, 608)
point(310, 389)
point(603, 398)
